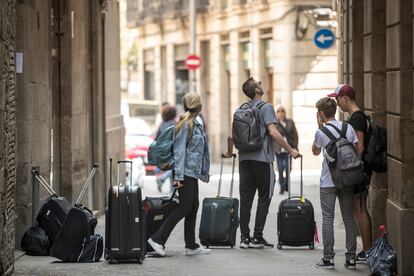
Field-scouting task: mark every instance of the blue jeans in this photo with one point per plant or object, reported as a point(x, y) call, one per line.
point(162, 176)
point(283, 160)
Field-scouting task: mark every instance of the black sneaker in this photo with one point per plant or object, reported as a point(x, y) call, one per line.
point(326, 264)
point(350, 264)
point(260, 243)
point(361, 257)
point(245, 242)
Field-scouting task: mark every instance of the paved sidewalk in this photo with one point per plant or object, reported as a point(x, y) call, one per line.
point(289, 261)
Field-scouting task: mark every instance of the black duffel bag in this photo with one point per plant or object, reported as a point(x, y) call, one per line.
point(35, 242)
point(92, 249)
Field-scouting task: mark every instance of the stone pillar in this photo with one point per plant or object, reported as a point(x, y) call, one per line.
point(400, 131)
point(157, 74)
point(170, 73)
point(33, 107)
point(114, 125)
point(257, 59)
point(375, 96)
point(356, 48)
point(218, 100)
point(7, 135)
point(237, 96)
point(283, 77)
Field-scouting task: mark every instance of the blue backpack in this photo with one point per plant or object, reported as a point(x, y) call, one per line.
point(160, 152)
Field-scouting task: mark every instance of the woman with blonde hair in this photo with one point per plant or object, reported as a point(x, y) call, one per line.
point(191, 162)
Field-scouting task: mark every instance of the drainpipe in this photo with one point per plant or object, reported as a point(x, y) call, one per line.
point(104, 9)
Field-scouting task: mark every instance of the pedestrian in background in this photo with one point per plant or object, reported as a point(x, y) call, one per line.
point(158, 117)
point(256, 168)
point(191, 162)
point(328, 192)
point(168, 114)
point(287, 129)
point(345, 97)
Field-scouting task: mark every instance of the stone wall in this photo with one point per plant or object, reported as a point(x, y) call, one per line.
point(377, 59)
point(7, 136)
point(400, 124)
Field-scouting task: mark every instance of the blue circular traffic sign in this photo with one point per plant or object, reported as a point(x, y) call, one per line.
point(324, 38)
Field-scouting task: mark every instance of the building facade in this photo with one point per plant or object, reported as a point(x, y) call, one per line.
point(377, 59)
point(269, 40)
point(59, 103)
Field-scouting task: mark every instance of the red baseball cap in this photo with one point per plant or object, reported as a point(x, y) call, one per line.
point(343, 90)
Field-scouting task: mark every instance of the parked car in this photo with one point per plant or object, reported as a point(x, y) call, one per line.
point(137, 141)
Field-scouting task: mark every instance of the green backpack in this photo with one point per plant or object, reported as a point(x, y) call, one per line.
point(160, 152)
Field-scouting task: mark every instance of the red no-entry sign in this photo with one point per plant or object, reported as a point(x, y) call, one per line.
point(192, 62)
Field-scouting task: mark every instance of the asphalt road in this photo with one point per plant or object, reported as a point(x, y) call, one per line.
point(221, 261)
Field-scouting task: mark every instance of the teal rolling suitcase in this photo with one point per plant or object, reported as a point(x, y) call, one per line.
point(220, 217)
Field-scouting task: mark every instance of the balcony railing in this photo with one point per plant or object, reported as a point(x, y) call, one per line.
point(138, 11)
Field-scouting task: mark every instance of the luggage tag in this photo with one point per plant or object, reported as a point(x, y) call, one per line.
point(302, 199)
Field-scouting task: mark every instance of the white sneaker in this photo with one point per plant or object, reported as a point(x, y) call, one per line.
point(158, 248)
point(198, 251)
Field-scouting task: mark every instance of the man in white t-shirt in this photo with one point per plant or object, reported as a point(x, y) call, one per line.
point(328, 193)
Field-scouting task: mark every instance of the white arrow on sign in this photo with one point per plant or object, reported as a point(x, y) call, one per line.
point(322, 38)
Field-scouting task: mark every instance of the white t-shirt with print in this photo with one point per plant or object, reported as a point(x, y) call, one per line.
point(321, 141)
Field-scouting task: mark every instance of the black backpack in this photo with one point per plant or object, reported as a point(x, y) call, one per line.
point(247, 134)
point(35, 242)
point(376, 150)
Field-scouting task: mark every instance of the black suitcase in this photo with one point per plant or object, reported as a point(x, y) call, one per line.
point(157, 209)
point(295, 219)
point(124, 229)
point(54, 211)
point(220, 217)
point(79, 225)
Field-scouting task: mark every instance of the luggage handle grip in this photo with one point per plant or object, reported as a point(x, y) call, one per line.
point(130, 176)
point(124, 162)
point(232, 155)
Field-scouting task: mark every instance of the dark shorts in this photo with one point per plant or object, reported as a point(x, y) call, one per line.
point(361, 190)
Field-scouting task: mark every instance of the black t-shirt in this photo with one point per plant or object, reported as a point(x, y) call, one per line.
point(358, 121)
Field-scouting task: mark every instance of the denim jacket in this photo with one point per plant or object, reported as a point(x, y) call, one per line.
point(191, 155)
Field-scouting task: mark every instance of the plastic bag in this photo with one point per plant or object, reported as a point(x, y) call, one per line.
point(381, 257)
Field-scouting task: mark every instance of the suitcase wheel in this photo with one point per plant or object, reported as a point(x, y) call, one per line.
point(279, 246)
point(207, 246)
point(232, 246)
point(140, 261)
point(112, 261)
point(312, 246)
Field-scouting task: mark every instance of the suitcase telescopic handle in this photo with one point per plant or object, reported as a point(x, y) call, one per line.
point(301, 176)
point(39, 178)
point(119, 162)
point(221, 173)
point(87, 183)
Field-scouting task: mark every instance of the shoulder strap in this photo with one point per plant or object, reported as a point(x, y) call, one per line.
point(262, 103)
point(344, 128)
point(340, 132)
point(331, 137)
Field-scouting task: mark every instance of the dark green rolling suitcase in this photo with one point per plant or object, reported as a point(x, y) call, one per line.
point(220, 217)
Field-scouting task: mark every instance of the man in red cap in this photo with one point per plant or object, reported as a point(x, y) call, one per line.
point(345, 97)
